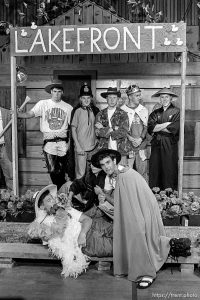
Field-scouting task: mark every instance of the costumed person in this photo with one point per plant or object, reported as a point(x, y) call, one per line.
point(70, 235)
point(137, 135)
point(55, 117)
point(83, 132)
point(163, 125)
point(112, 124)
point(140, 246)
point(6, 148)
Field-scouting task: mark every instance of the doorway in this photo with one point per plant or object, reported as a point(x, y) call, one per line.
point(72, 82)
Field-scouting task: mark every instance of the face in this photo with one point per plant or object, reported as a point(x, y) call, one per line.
point(108, 165)
point(56, 94)
point(48, 202)
point(165, 100)
point(112, 100)
point(85, 100)
point(94, 169)
point(135, 98)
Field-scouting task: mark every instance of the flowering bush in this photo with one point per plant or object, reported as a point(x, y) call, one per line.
point(171, 205)
point(13, 207)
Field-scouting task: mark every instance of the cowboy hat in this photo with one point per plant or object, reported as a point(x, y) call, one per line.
point(165, 91)
point(132, 89)
point(52, 188)
point(111, 91)
point(85, 90)
point(55, 84)
point(95, 157)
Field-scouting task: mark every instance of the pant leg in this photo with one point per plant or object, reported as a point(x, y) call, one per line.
point(56, 168)
point(169, 157)
point(141, 166)
point(6, 166)
point(80, 165)
point(155, 175)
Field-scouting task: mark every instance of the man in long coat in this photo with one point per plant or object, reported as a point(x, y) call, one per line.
point(163, 125)
point(140, 246)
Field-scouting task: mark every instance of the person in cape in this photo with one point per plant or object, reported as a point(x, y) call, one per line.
point(140, 246)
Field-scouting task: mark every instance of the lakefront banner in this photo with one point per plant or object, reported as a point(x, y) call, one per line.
point(98, 39)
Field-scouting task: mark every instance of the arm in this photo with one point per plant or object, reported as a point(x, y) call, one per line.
point(86, 223)
point(26, 115)
point(101, 130)
point(161, 127)
point(76, 142)
point(121, 130)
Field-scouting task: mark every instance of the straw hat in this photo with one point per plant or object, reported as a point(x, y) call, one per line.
point(111, 91)
point(95, 157)
point(52, 188)
point(165, 91)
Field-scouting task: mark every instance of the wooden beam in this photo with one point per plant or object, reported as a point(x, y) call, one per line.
point(14, 126)
point(182, 122)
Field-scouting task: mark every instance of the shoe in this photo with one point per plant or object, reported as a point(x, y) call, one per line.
point(145, 282)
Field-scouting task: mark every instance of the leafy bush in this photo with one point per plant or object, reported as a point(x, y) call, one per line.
point(13, 207)
point(171, 205)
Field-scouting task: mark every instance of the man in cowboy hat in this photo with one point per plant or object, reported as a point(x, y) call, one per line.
point(163, 125)
point(138, 118)
point(111, 125)
point(55, 117)
point(82, 127)
point(140, 246)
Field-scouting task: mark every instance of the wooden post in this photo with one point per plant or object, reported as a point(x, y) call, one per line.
point(14, 126)
point(182, 123)
point(134, 291)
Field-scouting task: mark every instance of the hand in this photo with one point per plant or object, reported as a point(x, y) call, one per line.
point(98, 125)
point(116, 127)
point(102, 198)
point(98, 190)
point(82, 239)
point(137, 142)
point(130, 138)
point(80, 151)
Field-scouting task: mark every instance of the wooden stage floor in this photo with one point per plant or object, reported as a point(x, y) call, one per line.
point(42, 281)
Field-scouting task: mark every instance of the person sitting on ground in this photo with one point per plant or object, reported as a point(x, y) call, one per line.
point(70, 234)
point(140, 246)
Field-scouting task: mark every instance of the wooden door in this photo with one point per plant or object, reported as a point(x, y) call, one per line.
point(72, 85)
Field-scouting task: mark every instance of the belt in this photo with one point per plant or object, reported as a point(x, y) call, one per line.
point(55, 140)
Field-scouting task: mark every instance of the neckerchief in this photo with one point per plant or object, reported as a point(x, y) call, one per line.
point(88, 108)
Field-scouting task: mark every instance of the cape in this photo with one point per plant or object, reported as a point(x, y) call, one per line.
point(140, 246)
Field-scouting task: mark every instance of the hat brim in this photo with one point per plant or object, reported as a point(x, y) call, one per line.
point(165, 92)
point(95, 157)
point(49, 87)
point(105, 94)
point(52, 188)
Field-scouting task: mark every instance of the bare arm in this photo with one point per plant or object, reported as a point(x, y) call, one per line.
point(86, 223)
point(77, 145)
point(25, 115)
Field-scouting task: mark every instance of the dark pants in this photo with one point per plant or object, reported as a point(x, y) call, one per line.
point(163, 165)
point(56, 166)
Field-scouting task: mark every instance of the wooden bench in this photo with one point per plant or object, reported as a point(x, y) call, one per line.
point(11, 251)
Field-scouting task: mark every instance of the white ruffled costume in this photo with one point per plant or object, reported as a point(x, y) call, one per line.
point(64, 246)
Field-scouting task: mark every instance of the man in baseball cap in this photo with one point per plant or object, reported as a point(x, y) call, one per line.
point(163, 125)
